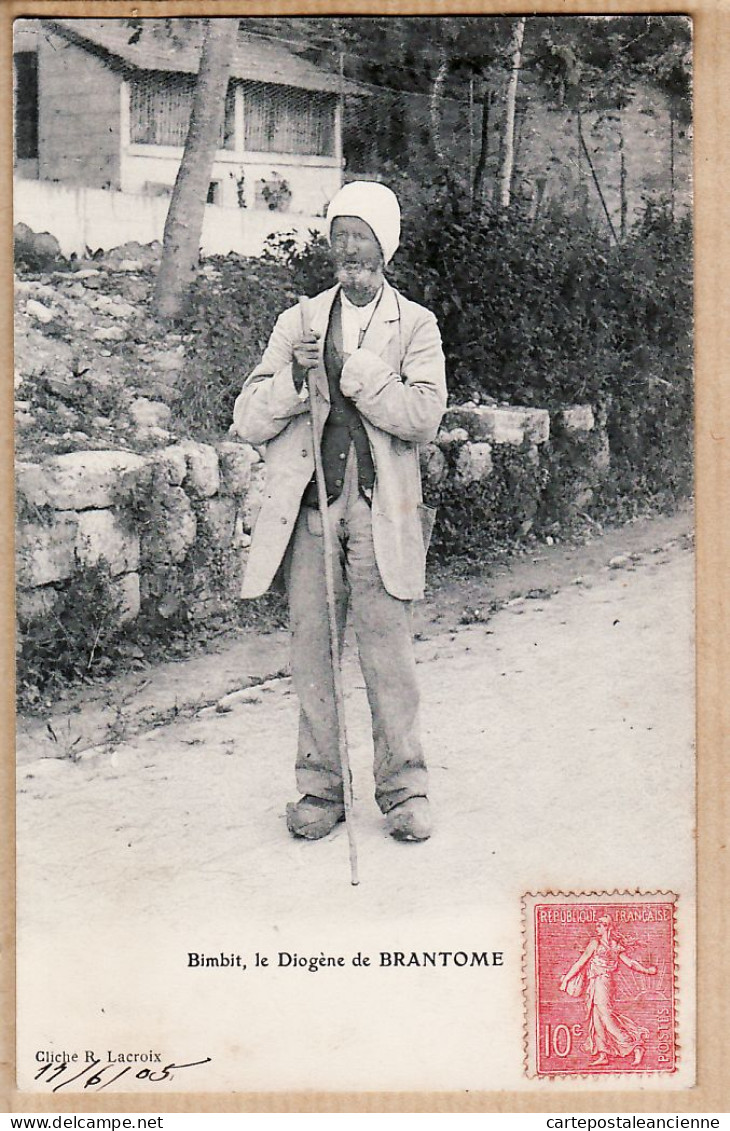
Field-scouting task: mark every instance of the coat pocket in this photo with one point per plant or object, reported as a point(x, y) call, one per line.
point(427, 518)
point(314, 522)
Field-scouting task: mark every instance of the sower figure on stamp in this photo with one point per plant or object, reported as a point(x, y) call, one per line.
point(609, 1032)
point(381, 390)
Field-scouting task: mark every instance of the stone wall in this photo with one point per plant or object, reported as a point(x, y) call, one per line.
point(80, 218)
point(573, 437)
point(172, 528)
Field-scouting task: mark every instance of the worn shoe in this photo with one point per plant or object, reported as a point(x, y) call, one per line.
point(411, 820)
point(313, 817)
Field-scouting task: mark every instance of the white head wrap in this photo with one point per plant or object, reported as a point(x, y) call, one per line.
point(374, 203)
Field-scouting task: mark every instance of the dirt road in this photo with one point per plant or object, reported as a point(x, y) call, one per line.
point(559, 736)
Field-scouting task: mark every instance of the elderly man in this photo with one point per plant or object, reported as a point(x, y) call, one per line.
point(379, 377)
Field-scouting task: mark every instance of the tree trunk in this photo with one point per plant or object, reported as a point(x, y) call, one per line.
point(471, 137)
point(484, 147)
point(436, 89)
point(596, 181)
point(184, 223)
point(508, 148)
point(622, 182)
point(672, 127)
point(582, 193)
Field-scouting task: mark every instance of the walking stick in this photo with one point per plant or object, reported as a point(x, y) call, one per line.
point(331, 610)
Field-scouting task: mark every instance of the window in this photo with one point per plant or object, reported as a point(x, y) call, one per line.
point(277, 119)
point(160, 107)
point(26, 105)
point(283, 119)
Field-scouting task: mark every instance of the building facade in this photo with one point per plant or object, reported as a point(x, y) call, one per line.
point(98, 106)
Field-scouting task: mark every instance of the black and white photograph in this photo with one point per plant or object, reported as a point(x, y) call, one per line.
point(355, 645)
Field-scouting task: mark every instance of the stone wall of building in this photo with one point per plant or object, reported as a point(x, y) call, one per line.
point(78, 115)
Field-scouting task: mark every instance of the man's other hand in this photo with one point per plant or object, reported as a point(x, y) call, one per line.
point(306, 357)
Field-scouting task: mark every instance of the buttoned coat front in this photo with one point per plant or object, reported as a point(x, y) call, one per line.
point(396, 379)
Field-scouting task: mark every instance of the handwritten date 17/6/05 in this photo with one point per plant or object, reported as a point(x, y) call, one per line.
point(98, 1077)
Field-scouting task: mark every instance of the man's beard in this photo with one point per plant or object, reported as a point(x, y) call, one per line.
point(360, 281)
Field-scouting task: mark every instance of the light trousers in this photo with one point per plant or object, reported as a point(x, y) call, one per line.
point(384, 636)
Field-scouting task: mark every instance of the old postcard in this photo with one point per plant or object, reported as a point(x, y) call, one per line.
point(370, 337)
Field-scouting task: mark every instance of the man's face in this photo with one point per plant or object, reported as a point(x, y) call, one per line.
point(357, 258)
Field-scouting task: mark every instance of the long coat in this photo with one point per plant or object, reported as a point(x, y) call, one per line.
point(397, 382)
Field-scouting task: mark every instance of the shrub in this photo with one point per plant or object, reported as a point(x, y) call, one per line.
point(650, 394)
point(546, 313)
point(232, 311)
point(308, 267)
point(78, 639)
point(543, 312)
point(231, 315)
point(475, 520)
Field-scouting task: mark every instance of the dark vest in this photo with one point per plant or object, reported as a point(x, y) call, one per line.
point(343, 426)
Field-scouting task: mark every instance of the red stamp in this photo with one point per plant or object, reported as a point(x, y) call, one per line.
point(600, 984)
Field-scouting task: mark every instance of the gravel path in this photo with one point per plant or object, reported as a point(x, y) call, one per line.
point(559, 737)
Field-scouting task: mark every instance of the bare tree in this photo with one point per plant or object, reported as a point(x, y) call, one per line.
point(508, 148)
point(487, 101)
point(435, 108)
point(184, 222)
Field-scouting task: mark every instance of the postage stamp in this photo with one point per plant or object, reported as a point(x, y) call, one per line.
point(600, 983)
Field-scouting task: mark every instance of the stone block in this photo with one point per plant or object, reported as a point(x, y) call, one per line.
point(433, 465)
point(170, 362)
point(46, 552)
point(40, 312)
point(101, 536)
point(174, 531)
point(203, 477)
point(40, 291)
point(127, 587)
point(452, 436)
point(114, 307)
point(469, 419)
point(109, 334)
point(77, 480)
point(153, 436)
point(149, 414)
point(132, 265)
point(474, 463)
point(254, 497)
point(172, 460)
point(576, 419)
point(34, 353)
point(236, 460)
point(148, 254)
point(535, 423)
point(501, 425)
point(217, 520)
point(30, 484)
point(72, 289)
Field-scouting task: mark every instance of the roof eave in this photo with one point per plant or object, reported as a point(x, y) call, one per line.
point(332, 85)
